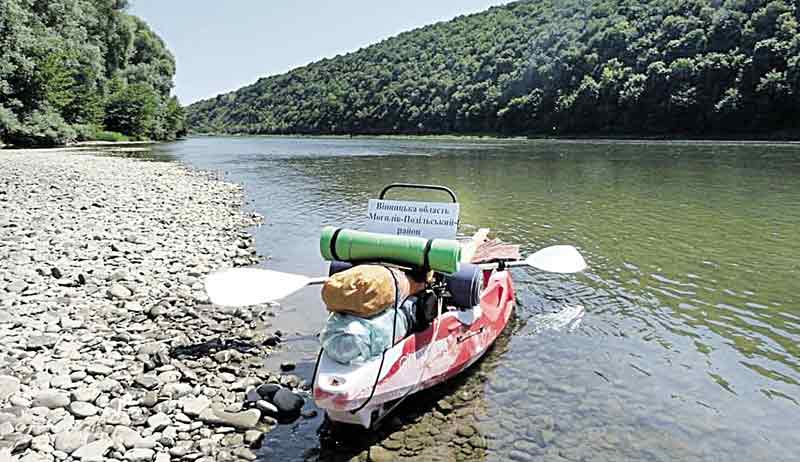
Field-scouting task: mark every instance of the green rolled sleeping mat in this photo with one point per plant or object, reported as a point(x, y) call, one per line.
point(443, 255)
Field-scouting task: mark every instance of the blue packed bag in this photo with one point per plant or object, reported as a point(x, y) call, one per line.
point(351, 339)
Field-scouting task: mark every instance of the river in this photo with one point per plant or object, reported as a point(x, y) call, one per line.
point(690, 346)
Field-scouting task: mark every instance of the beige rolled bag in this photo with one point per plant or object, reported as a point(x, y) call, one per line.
point(367, 290)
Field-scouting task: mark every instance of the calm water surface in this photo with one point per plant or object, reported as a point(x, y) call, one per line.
point(690, 346)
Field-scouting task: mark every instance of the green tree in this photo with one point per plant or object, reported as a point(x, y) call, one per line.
point(132, 110)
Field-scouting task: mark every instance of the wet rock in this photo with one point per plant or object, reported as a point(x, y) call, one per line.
point(287, 402)
point(272, 341)
point(266, 407)
point(544, 437)
point(380, 454)
point(253, 437)
point(287, 366)
point(465, 431)
point(244, 453)
point(444, 406)
point(268, 390)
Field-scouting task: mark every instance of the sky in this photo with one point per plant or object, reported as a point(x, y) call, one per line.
point(220, 46)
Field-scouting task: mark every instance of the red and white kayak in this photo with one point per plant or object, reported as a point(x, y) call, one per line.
point(453, 342)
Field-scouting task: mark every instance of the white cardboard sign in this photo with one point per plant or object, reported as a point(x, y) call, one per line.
point(430, 220)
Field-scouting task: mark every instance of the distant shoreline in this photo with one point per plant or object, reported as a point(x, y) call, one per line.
point(565, 139)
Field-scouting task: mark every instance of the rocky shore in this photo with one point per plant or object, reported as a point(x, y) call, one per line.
point(109, 348)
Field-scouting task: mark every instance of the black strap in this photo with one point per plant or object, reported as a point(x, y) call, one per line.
point(333, 244)
point(426, 264)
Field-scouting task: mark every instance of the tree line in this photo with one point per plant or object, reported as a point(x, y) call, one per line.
point(82, 70)
point(545, 67)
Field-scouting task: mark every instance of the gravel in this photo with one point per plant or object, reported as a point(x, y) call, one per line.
point(110, 347)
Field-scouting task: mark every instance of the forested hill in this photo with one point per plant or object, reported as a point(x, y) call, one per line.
point(82, 69)
point(546, 67)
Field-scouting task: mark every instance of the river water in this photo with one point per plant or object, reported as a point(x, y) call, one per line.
point(689, 349)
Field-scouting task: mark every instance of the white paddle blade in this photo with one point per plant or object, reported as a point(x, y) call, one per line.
point(558, 259)
point(251, 286)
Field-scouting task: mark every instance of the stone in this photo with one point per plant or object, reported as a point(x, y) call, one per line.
point(37, 342)
point(51, 399)
point(126, 436)
point(94, 451)
point(253, 437)
point(87, 394)
point(82, 409)
point(176, 390)
point(163, 457)
point(63, 425)
point(544, 437)
point(112, 416)
point(287, 366)
point(159, 421)
point(244, 420)
point(266, 407)
point(244, 453)
point(70, 441)
point(287, 402)
point(119, 292)
point(147, 381)
point(99, 369)
point(444, 406)
point(392, 445)
point(465, 431)
point(139, 455)
point(61, 381)
point(15, 442)
point(9, 386)
point(17, 287)
point(150, 399)
point(194, 406)
point(380, 454)
point(169, 377)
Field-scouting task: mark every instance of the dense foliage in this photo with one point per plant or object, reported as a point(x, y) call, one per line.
point(70, 69)
point(546, 66)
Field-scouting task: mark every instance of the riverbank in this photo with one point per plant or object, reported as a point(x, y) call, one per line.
point(110, 348)
point(790, 140)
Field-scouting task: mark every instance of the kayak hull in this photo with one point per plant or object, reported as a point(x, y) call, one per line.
point(452, 343)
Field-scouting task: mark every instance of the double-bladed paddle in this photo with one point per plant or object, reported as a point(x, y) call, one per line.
point(252, 286)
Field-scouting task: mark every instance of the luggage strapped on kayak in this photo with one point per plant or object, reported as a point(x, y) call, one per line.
point(448, 230)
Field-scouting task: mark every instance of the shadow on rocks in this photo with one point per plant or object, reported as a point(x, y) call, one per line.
point(210, 347)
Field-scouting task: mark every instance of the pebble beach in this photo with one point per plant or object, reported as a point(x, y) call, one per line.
point(109, 347)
